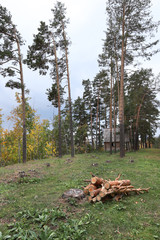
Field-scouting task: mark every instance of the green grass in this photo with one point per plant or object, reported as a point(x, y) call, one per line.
point(135, 217)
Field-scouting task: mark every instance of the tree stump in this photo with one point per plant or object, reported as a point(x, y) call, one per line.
point(73, 193)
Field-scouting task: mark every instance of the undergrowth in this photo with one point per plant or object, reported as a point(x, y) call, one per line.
point(46, 224)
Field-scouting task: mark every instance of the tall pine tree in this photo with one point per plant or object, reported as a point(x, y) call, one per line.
point(60, 20)
point(11, 61)
point(134, 29)
point(50, 50)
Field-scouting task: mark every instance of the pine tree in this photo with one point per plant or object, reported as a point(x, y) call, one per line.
point(60, 20)
point(134, 29)
point(99, 84)
point(42, 55)
point(11, 61)
point(88, 99)
point(141, 105)
point(50, 50)
point(80, 117)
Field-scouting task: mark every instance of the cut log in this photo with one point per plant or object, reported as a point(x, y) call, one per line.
point(97, 181)
point(107, 185)
point(103, 193)
point(125, 183)
point(89, 199)
point(98, 198)
point(120, 182)
point(92, 188)
point(89, 188)
point(94, 193)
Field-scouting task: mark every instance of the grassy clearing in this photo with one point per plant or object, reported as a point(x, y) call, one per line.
point(39, 193)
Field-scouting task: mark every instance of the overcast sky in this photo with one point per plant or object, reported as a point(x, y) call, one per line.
point(86, 31)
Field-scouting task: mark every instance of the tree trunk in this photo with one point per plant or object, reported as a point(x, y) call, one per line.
point(114, 124)
point(69, 94)
point(105, 116)
point(116, 59)
point(110, 116)
point(97, 119)
point(137, 122)
point(19, 151)
point(149, 139)
point(145, 141)
point(121, 102)
point(99, 125)
point(23, 102)
point(91, 127)
point(59, 104)
point(136, 141)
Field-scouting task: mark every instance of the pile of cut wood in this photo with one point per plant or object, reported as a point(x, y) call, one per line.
point(100, 189)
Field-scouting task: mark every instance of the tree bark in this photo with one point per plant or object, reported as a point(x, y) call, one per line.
point(121, 103)
point(59, 104)
point(69, 94)
point(116, 59)
point(137, 122)
point(99, 125)
point(91, 127)
point(23, 102)
point(110, 115)
point(114, 124)
point(97, 119)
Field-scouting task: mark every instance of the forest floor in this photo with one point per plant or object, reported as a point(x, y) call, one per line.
point(31, 207)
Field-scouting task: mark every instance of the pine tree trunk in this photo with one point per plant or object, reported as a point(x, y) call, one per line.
point(121, 103)
point(91, 128)
point(116, 59)
point(137, 122)
point(149, 140)
point(136, 140)
point(145, 141)
point(105, 116)
point(69, 94)
point(110, 116)
point(114, 125)
point(23, 102)
point(97, 120)
point(59, 104)
point(99, 125)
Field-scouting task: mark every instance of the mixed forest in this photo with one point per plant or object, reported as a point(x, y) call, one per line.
point(122, 95)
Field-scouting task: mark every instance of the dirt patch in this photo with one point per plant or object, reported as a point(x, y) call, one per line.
point(15, 177)
point(72, 201)
point(31, 169)
point(3, 202)
point(72, 205)
point(6, 221)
